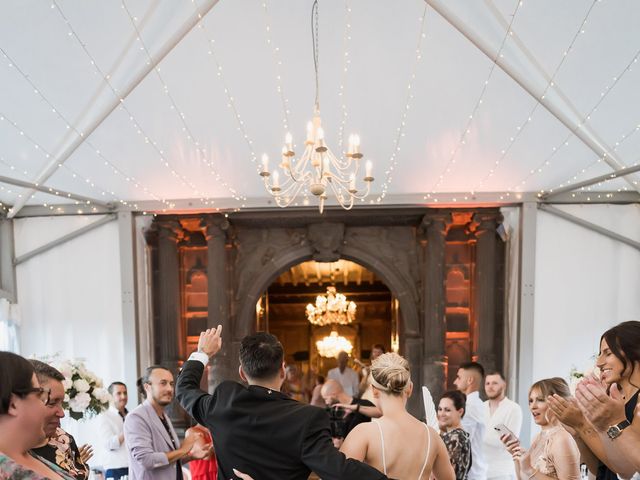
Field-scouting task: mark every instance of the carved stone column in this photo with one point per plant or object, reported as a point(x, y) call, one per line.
point(433, 285)
point(169, 335)
point(485, 287)
point(215, 230)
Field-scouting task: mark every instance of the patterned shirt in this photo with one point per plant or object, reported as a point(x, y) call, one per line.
point(63, 451)
point(459, 448)
point(9, 469)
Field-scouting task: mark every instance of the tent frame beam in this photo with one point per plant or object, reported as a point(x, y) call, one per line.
point(63, 239)
point(533, 80)
point(591, 181)
point(54, 191)
point(124, 92)
point(588, 225)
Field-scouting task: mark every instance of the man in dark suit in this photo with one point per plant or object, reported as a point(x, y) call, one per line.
point(256, 429)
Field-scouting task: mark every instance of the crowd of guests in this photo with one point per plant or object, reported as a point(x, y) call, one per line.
point(265, 429)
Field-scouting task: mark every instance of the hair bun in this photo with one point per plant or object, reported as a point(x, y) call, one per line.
point(391, 371)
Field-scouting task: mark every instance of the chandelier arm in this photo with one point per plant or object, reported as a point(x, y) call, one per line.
point(302, 166)
point(283, 203)
point(338, 194)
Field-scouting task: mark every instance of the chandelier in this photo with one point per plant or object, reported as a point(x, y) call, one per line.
point(318, 170)
point(331, 309)
point(331, 346)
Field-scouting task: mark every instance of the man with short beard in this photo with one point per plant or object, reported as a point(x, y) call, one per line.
point(499, 410)
point(59, 447)
point(155, 452)
point(115, 458)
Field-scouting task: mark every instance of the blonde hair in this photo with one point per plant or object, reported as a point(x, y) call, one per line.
point(390, 373)
point(550, 386)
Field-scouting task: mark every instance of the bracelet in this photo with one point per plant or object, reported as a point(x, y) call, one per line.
point(533, 474)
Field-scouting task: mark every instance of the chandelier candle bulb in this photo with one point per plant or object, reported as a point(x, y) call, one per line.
point(356, 147)
point(285, 164)
point(265, 165)
point(288, 145)
point(309, 140)
point(276, 182)
point(352, 183)
point(368, 171)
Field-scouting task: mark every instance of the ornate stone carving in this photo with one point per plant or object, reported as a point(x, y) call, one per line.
point(326, 240)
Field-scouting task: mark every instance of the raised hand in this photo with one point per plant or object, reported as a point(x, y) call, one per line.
point(210, 341)
point(600, 409)
point(86, 452)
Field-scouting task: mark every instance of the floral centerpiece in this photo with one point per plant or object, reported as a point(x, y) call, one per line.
point(577, 375)
point(85, 395)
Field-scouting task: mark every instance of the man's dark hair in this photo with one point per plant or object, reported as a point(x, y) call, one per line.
point(474, 366)
point(15, 378)
point(497, 372)
point(261, 355)
point(113, 385)
point(46, 372)
point(145, 379)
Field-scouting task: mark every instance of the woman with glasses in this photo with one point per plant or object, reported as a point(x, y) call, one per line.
point(22, 414)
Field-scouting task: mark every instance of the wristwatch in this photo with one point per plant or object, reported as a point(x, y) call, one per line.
point(614, 431)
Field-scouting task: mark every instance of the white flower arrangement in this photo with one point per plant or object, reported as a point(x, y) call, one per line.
point(576, 376)
point(85, 395)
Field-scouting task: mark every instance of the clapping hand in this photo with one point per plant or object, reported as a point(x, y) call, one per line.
point(600, 409)
point(86, 452)
point(567, 411)
point(210, 341)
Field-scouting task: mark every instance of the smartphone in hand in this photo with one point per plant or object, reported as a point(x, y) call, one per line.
point(503, 430)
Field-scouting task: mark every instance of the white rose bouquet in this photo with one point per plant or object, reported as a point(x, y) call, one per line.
point(85, 396)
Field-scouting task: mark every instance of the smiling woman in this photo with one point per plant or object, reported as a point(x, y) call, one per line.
point(23, 412)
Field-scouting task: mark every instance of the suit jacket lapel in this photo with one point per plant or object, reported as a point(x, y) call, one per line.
point(155, 421)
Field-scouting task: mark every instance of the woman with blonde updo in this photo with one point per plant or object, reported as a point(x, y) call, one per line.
point(397, 444)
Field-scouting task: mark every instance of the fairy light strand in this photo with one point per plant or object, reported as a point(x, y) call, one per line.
point(123, 107)
point(186, 129)
point(346, 63)
point(393, 160)
point(275, 52)
point(603, 95)
point(470, 118)
point(550, 84)
point(227, 91)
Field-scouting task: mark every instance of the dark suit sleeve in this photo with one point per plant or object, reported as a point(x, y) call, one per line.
point(319, 454)
point(196, 402)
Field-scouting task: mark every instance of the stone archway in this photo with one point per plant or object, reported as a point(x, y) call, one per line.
point(281, 249)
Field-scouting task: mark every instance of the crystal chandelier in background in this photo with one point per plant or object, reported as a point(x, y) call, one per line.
point(318, 170)
point(331, 309)
point(331, 346)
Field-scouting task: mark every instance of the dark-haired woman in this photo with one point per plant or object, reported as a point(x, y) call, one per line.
point(450, 412)
point(619, 364)
point(22, 413)
point(553, 453)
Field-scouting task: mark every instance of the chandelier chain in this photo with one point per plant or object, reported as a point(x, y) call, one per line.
point(316, 48)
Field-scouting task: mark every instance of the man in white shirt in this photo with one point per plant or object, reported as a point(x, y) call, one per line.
point(469, 380)
point(499, 410)
point(347, 377)
point(115, 458)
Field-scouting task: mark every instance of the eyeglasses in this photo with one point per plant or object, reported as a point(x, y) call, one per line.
point(44, 394)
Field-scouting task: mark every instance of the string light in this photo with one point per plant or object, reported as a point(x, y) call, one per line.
point(275, 51)
point(181, 116)
point(617, 145)
point(547, 161)
point(136, 126)
point(48, 155)
point(520, 128)
point(346, 62)
point(393, 160)
point(467, 128)
point(230, 99)
point(69, 126)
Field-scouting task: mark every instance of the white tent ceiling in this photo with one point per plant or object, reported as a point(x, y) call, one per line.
point(196, 127)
